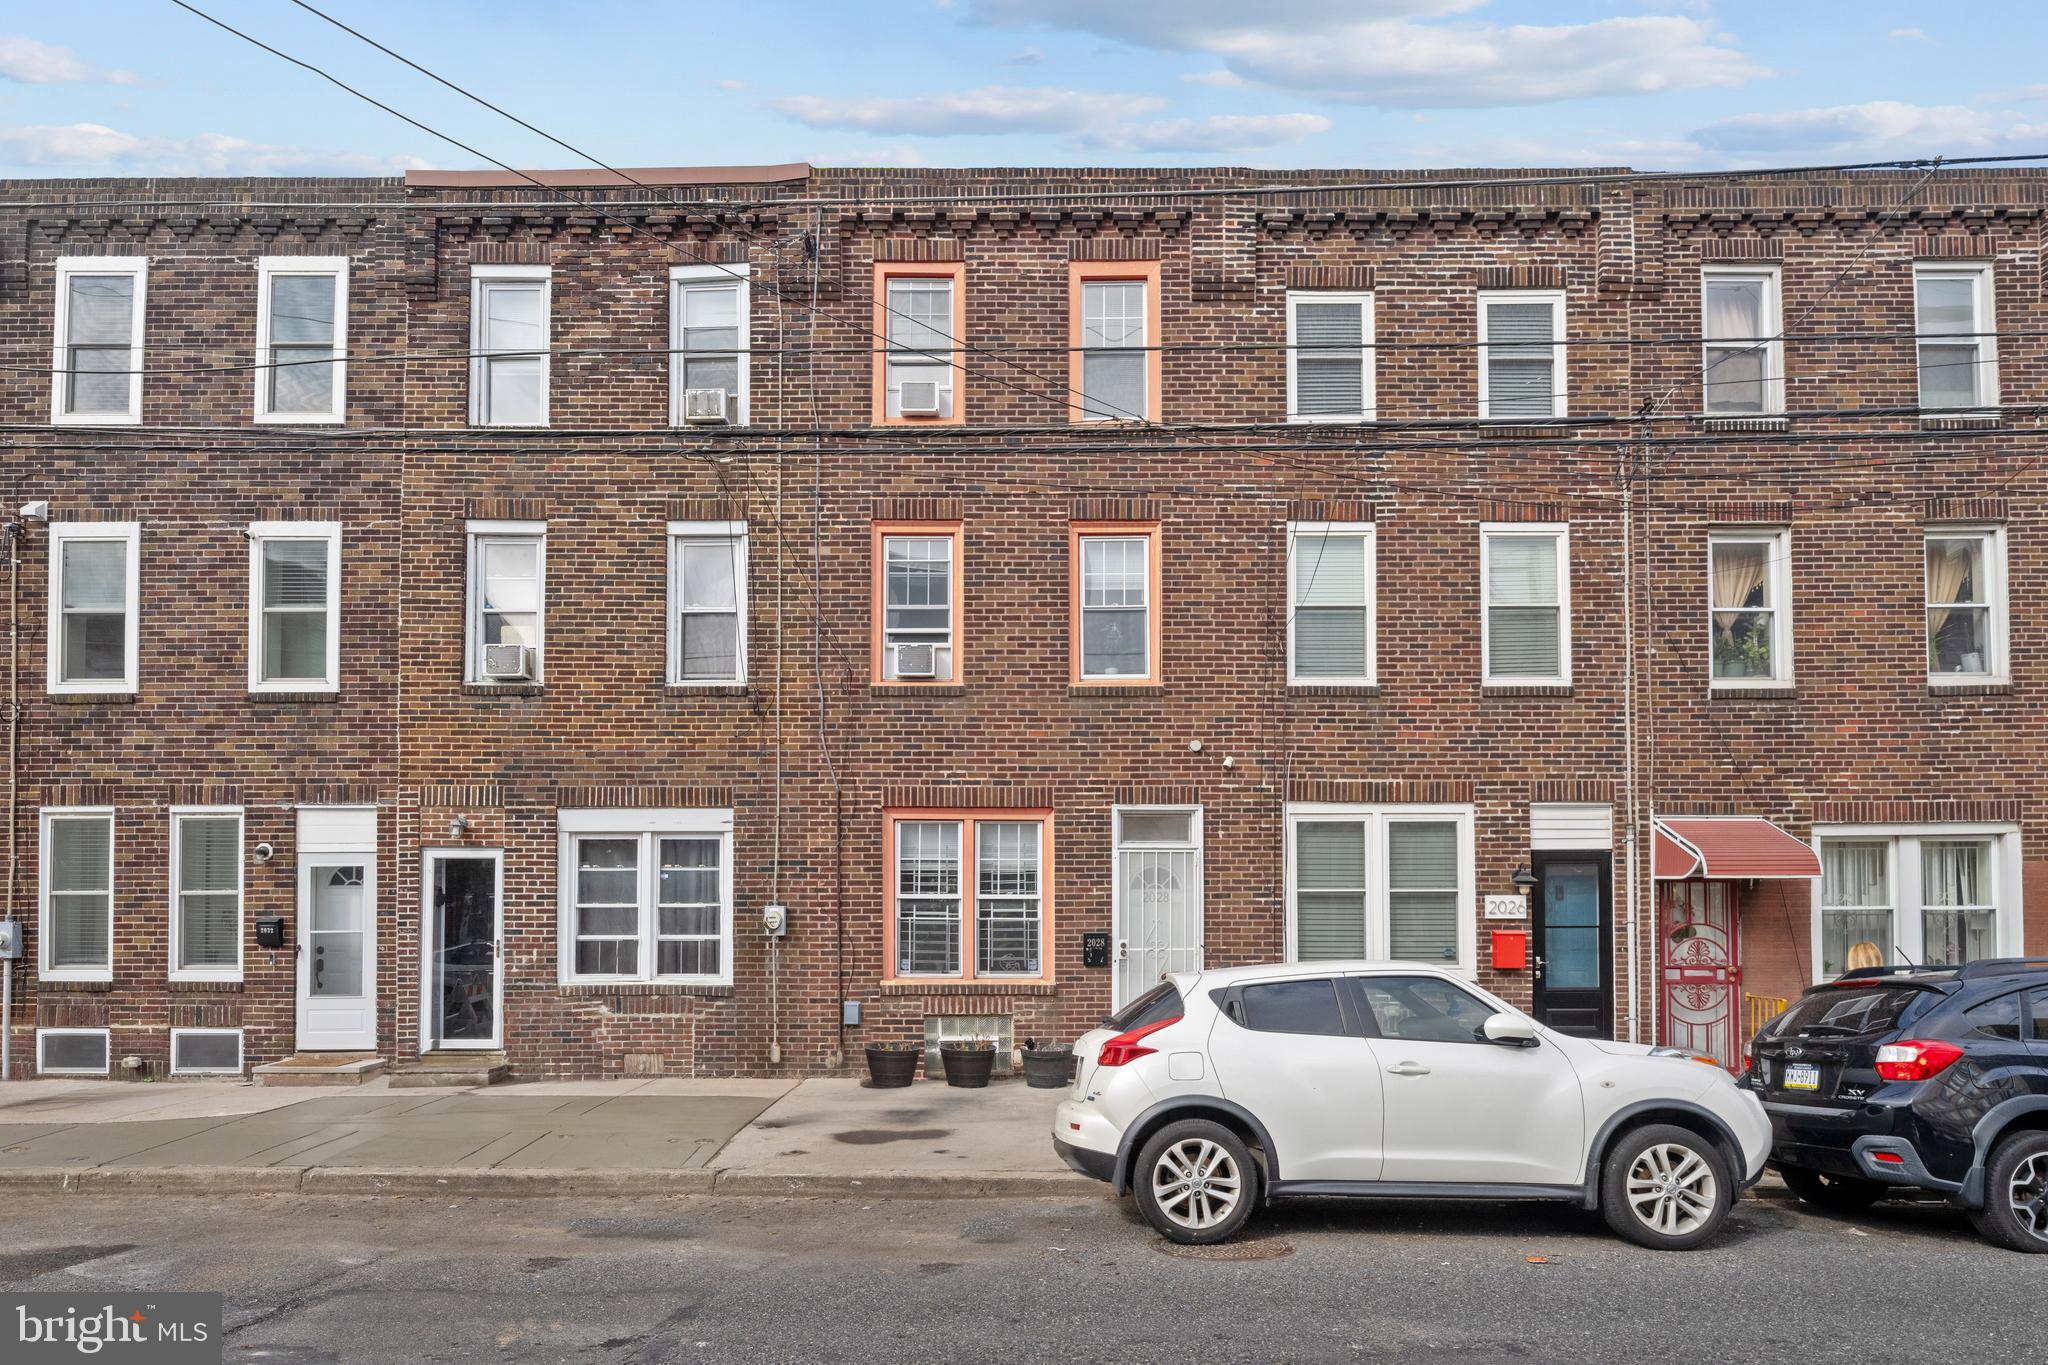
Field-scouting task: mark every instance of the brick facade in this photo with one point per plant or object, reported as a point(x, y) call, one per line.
point(811, 751)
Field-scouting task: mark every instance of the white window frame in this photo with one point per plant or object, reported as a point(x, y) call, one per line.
point(1144, 347)
point(1367, 354)
point(1772, 344)
point(67, 266)
point(62, 533)
point(1907, 891)
point(681, 533)
point(179, 814)
point(683, 279)
point(259, 533)
point(268, 268)
point(1296, 532)
point(1997, 602)
point(43, 1033)
point(477, 534)
point(1558, 372)
point(1778, 579)
point(896, 359)
point(1562, 532)
point(1378, 923)
point(240, 1057)
point(649, 827)
point(1986, 341)
point(481, 277)
point(1146, 537)
point(47, 816)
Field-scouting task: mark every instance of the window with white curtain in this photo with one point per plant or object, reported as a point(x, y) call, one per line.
point(1956, 346)
point(507, 593)
point(1966, 605)
point(1329, 357)
point(94, 586)
point(508, 373)
point(1521, 354)
point(1381, 882)
point(646, 895)
point(301, 338)
point(294, 606)
point(1749, 613)
point(1525, 583)
point(97, 363)
point(1114, 361)
point(76, 929)
point(1742, 369)
point(206, 893)
point(1330, 607)
point(1934, 895)
point(708, 336)
point(708, 593)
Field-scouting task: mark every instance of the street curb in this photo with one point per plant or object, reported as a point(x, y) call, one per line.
point(906, 1185)
point(530, 1183)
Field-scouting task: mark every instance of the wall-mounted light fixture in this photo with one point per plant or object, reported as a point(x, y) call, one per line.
point(458, 826)
point(1524, 879)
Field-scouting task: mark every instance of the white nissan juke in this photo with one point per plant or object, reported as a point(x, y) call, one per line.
point(1218, 1090)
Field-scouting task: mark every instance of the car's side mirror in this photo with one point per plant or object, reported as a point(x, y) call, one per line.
point(1510, 1030)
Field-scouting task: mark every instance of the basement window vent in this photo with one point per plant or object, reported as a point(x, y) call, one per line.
point(72, 1051)
point(206, 1051)
point(950, 1028)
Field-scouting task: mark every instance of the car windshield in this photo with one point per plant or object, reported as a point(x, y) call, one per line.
point(1851, 1011)
point(1161, 1002)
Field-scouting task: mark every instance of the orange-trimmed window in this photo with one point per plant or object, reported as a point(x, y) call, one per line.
point(1114, 602)
point(917, 602)
point(969, 894)
point(1113, 330)
point(921, 323)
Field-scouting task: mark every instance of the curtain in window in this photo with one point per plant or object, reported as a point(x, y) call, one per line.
point(1957, 630)
point(1329, 612)
point(294, 609)
point(1520, 364)
point(688, 908)
point(1327, 383)
point(1955, 894)
point(1953, 872)
point(209, 896)
point(1422, 890)
point(1742, 638)
point(81, 894)
point(1856, 917)
point(1522, 621)
point(1329, 889)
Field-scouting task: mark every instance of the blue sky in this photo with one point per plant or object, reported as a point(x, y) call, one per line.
point(139, 87)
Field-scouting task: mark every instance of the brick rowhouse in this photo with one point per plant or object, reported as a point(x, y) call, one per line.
point(480, 821)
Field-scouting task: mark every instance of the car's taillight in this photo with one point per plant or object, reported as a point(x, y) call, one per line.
point(1913, 1060)
point(1125, 1047)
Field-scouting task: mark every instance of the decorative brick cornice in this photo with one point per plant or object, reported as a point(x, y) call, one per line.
point(461, 796)
point(1186, 795)
point(1572, 790)
point(1413, 793)
point(2009, 811)
point(917, 509)
point(1329, 277)
point(1965, 509)
point(507, 253)
point(640, 797)
point(1329, 509)
point(1115, 509)
point(919, 249)
point(505, 509)
point(968, 796)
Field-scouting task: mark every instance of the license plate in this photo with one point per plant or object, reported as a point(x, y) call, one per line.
point(1801, 1076)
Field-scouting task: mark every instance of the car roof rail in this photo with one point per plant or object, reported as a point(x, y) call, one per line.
point(1865, 973)
point(2000, 966)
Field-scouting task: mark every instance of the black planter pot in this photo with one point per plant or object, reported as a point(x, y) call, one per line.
point(891, 1065)
point(967, 1066)
point(1048, 1068)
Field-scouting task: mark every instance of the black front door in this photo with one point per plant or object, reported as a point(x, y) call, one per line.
point(1572, 934)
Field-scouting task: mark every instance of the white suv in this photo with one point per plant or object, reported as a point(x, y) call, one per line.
point(1218, 1089)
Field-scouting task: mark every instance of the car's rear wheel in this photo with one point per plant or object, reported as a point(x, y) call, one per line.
point(1195, 1182)
point(2015, 1212)
point(1838, 1193)
point(1662, 1186)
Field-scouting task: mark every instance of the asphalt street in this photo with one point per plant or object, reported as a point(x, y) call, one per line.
point(311, 1279)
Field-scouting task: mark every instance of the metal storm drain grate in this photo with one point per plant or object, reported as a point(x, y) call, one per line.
point(1266, 1249)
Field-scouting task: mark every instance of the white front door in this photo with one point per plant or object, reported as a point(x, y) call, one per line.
point(336, 939)
point(1158, 897)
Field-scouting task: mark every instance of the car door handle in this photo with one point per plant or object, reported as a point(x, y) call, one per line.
point(1409, 1069)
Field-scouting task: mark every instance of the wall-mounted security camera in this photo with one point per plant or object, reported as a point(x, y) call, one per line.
point(262, 853)
point(38, 511)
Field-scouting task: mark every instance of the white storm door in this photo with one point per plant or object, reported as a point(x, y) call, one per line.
point(336, 938)
point(1158, 898)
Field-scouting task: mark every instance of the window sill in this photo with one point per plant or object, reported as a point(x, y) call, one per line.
point(1136, 689)
point(1713, 423)
point(96, 419)
point(1305, 689)
point(701, 991)
point(1975, 421)
point(1978, 687)
point(945, 986)
point(295, 419)
point(706, 689)
point(502, 690)
point(1525, 689)
point(1772, 691)
point(257, 694)
point(912, 691)
point(92, 698)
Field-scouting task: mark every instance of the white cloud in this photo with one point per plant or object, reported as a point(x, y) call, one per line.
point(32, 63)
point(1222, 133)
point(991, 109)
point(1377, 52)
point(96, 147)
point(1907, 35)
point(1878, 130)
point(898, 156)
point(1224, 78)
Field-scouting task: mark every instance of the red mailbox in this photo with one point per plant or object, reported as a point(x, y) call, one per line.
point(1510, 950)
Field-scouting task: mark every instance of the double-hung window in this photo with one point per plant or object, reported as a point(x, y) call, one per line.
point(1115, 625)
point(708, 337)
point(917, 602)
point(921, 317)
point(1525, 581)
point(301, 338)
point(507, 616)
point(76, 932)
point(646, 895)
point(1329, 357)
point(1966, 605)
point(1114, 370)
point(1521, 354)
point(508, 342)
point(94, 587)
point(1938, 895)
point(969, 894)
point(1956, 348)
point(1382, 882)
point(97, 366)
point(707, 578)
point(294, 606)
point(1330, 604)
point(1749, 608)
point(1742, 370)
point(206, 893)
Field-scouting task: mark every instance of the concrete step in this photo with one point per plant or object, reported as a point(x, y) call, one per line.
point(452, 1068)
point(319, 1068)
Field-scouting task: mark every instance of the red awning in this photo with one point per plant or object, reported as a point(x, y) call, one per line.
point(1731, 847)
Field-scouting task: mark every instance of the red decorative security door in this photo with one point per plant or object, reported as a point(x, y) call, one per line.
point(1702, 967)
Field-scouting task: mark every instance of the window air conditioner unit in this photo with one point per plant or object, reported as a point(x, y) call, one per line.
point(705, 407)
point(917, 661)
point(920, 398)
point(508, 663)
